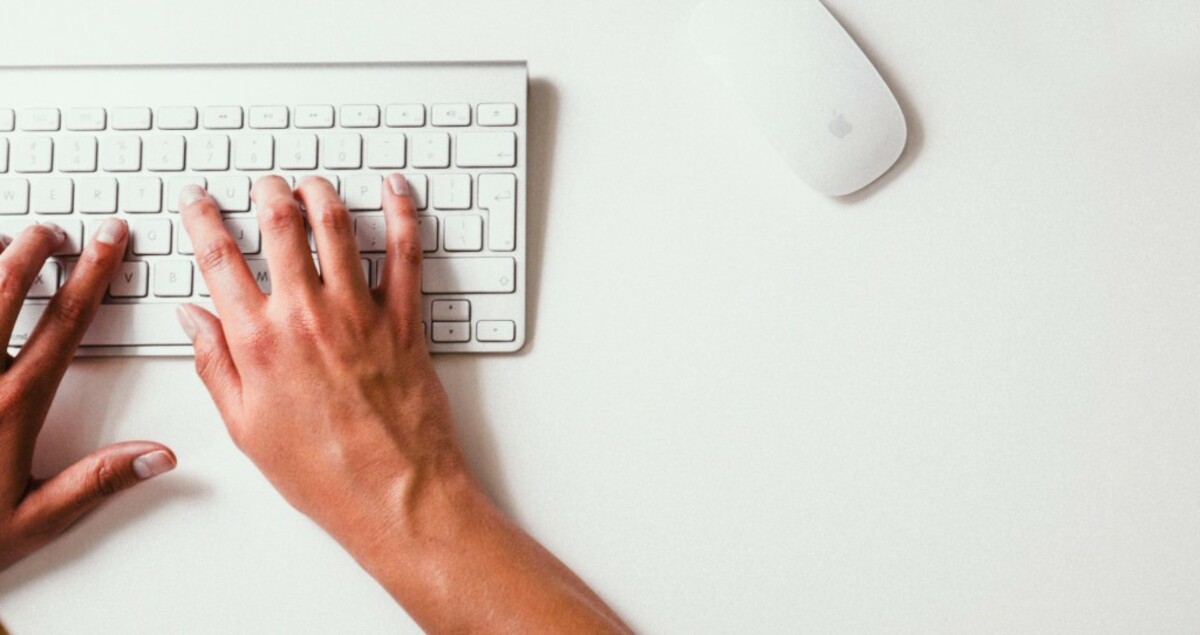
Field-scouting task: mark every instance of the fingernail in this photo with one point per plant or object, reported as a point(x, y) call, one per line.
point(186, 321)
point(190, 194)
point(152, 464)
point(111, 231)
point(58, 231)
point(399, 185)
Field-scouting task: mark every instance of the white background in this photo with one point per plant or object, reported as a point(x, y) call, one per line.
point(964, 401)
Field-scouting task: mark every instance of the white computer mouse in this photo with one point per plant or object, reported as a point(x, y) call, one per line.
point(810, 88)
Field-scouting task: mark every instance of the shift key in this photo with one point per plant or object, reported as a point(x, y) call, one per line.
point(469, 275)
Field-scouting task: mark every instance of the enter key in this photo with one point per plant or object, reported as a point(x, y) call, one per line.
point(498, 195)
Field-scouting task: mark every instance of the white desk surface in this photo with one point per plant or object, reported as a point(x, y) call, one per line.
point(965, 401)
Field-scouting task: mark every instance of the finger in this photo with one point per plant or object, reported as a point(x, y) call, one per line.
point(283, 235)
point(337, 249)
point(19, 266)
point(214, 362)
point(401, 281)
point(220, 260)
point(63, 499)
point(45, 357)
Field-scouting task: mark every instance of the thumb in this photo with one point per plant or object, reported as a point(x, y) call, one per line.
point(64, 498)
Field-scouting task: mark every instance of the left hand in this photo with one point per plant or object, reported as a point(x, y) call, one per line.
point(35, 511)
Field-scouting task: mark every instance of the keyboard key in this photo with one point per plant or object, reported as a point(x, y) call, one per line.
point(245, 234)
point(38, 119)
point(7, 120)
point(3, 156)
point(53, 196)
point(232, 193)
point(177, 118)
point(121, 153)
point(496, 331)
point(314, 116)
point(45, 284)
point(452, 191)
point(487, 150)
point(176, 184)
point(223, 117)
point(451, 115)
point(469, 275)
point(149, 236)
point(201, 285)
point(141, 195)
point(297, 152)
point(254, 152)
point(496, 114)
point(418, 187)
point(76, 154)
point(86, 119)
point(73, 244)
point(363, 192)
point(130, 281)
point(173, 278)
point(385, 151)
point(341, 151)
point(360, 116)
point(498, 195)
point(371, 234)
point(131, 119)
point(405, 116)
point(208, 153)
point(96, 195)
point(429, 233)
point(464, 232)
point(164, 153)
point(269, 117)
point(32, 154)
point(14, 196)
point(451, 311)
point(452, 332)
point(134, 324)
point(261, 274)
point(431, 150)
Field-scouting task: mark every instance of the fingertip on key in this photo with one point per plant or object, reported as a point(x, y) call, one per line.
point(190, 194)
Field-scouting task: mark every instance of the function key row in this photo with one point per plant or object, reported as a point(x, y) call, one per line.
point(257, 117)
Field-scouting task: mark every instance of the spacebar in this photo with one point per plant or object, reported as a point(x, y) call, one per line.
point(116, 325)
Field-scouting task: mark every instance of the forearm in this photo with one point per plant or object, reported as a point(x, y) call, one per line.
point(458, 565)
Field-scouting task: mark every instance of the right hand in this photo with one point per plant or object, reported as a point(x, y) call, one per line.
point(325, 384)
point(328, 387)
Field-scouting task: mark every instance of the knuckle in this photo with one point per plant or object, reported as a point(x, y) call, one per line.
point(106, 480)
point(278, 213)
point(332, 216)
point(408, 247)
point(219, 254)
point(11, 281)
point(69, 309)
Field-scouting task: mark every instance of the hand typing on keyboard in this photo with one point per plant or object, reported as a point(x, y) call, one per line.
point(34, 511)
point(328, 386)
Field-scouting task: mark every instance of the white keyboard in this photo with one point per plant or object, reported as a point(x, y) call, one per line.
point(81, 144)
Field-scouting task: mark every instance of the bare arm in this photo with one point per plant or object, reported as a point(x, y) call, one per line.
point(328, 387)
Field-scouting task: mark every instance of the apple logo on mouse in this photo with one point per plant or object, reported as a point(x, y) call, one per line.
point(839, 126)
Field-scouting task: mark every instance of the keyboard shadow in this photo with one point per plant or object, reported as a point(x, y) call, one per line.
point(460, 373)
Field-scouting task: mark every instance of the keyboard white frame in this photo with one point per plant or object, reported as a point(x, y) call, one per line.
point(336, 84)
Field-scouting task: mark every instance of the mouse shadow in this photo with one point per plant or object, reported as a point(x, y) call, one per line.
point(84, 418)
point(460, 373)
point(916, 127)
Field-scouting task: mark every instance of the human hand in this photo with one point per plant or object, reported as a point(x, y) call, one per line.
point(325, 384)
point(35, 511)
point(328, 387)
